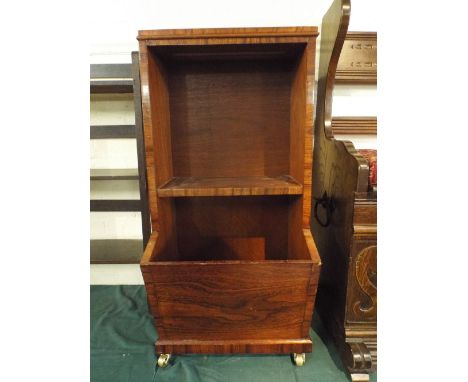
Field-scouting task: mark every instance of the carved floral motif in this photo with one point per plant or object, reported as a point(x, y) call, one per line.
point(366, 276)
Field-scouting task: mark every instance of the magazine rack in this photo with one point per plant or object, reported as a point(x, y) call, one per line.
point(231, 266)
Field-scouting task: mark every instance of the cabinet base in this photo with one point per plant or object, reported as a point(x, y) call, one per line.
point(234, 347)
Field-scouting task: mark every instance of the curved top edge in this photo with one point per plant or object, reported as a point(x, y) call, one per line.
point(345, 13)
point(309, 31)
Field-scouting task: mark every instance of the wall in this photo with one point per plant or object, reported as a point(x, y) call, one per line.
point(114, 26)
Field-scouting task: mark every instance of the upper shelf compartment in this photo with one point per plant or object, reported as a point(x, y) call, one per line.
point(234, 186)
point(228, 120)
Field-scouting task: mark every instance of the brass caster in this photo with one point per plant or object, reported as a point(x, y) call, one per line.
point(358, 377)
point(299, 359)
point(163, 360)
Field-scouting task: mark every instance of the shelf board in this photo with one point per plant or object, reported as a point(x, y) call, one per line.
point(235, 186)
point(113, 205)
point(98, 71)
point(116, 251)
point(112, 132)
point(111, 86)
point(114, 174)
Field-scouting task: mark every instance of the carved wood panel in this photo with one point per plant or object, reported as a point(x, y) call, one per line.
point(361, 298)
point(358, 59)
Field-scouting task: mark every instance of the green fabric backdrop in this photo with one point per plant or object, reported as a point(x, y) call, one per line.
point(122, 349)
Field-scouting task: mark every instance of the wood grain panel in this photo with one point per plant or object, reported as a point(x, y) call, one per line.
point(231, 301)
point(225, 33)
point(365, 212)
point(241, 123)
point(270, 346)
point(148, 137)
point(196, 186)
point(302, 126)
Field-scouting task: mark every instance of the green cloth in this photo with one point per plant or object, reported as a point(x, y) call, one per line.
point(122, 349)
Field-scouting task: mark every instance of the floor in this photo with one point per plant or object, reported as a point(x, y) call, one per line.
point(122, 350)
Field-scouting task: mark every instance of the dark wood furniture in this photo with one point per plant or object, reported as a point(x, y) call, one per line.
point(231, 266)
point(120, 78)
point(345, 220)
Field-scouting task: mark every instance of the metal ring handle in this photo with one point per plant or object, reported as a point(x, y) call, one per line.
point(327, 203)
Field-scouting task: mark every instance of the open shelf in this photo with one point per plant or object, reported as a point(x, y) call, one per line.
point(231, 186)
point(111, 86)
point(116, 251)
point(112, 131)
point(110, 205)
point(114, 174)
point(249, 228)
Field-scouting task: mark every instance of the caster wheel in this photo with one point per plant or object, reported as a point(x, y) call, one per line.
point(299, 359)
point(163, 360)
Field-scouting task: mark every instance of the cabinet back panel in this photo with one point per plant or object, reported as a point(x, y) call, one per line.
point(230, 118)
point(257, 223)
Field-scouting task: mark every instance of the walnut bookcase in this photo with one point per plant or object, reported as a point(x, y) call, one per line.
point(231, 266)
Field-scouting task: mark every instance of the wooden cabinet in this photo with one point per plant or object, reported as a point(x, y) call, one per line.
point(231, 266)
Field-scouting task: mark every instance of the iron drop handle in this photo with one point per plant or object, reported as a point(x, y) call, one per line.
point(327, 203)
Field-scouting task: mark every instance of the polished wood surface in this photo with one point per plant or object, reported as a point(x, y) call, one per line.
point(347, 295)
point(240, 305)
point(231, 266)
point(225, 186)
point(270, 346)
point(226, 33)
point(241, 124)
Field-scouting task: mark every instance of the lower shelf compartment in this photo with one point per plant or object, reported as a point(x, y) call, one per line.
point(232, 306)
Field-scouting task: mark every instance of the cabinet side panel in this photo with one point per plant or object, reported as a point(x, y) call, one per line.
point(162, 152)
point(148, 137)
point(301, 130)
